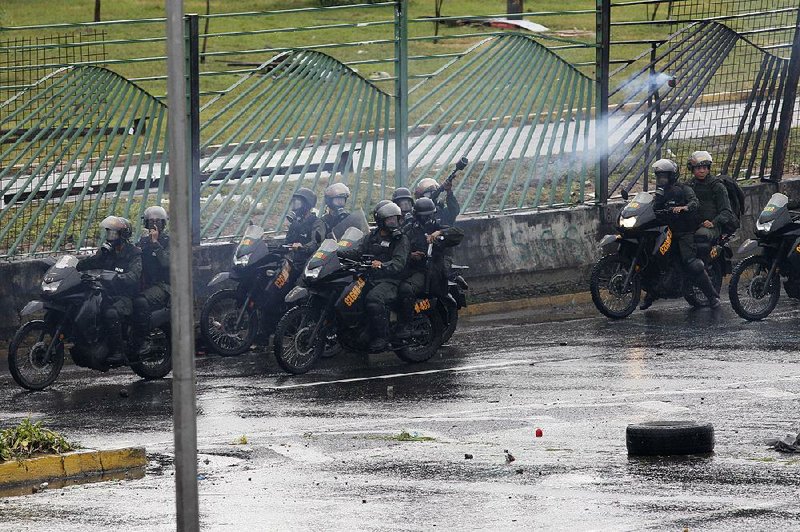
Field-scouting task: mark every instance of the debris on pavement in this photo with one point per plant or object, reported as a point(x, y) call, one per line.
point(788, 444)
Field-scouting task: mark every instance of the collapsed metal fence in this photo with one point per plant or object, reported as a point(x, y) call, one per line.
point(281, 103)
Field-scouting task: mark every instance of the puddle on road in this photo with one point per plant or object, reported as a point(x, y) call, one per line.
point(30, 489)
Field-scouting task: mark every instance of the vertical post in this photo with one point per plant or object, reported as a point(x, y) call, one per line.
point(514, 7)
point(602, 66)
point(193, 69)
point(401, 93)
point(183, 372)
point(787, 109)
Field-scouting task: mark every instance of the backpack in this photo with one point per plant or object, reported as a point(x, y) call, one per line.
point(736, 197)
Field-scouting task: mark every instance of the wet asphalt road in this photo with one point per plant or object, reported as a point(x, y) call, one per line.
point(322, 450)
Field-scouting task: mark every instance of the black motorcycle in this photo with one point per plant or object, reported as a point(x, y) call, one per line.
point(755, 285)
point(231, 318)
point(330, 308)
point(642, 256)
point(456, 286)
point(73, 305)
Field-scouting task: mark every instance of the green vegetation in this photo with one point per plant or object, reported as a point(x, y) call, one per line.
point(29, 439)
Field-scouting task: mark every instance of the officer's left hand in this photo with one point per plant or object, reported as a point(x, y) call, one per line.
point(708, 224)
point(678, 210)
point(433, 236)
point(296, 246)
point(448, 186)
point(376, 264)
point(417, 255)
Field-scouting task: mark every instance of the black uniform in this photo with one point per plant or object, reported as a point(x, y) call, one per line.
point(447, 210)
point(682, 224)
point(392, 251)
point(715, 206)
point(310, 232)
point(124, 259)
point(155, 282)
point(331, 219)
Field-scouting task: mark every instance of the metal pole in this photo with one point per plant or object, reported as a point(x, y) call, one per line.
point(787, 109)
point(602, 65)
point(183, 373)
point(513, 8)
point(193, 67)
point(401, 93)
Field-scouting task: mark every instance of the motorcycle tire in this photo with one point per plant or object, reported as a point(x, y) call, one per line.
point(619, 269)
point(292, 354)
point(157, 363)
point(218, 331)
point(695, 297)
point(22, 355)
point(740, 290)
point(421, 352)
point(451, 326)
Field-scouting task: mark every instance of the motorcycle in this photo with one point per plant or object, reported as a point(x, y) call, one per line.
point(330, 308)
point(72, 303)
point(642, 256)
point(231, 318)
point(456, 286)
point(755, 285)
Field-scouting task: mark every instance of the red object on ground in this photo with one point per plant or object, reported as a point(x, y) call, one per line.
point(539, 433)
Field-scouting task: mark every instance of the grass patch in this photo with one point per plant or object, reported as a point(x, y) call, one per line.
point(241, 440)
point(406, 436)
point(30, 439)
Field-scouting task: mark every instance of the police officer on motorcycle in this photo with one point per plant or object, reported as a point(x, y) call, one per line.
point(448, 208)
point(403, 198)
point(154, 245)
point(715, 206)
point(306, 231)
point(118, 255)
point(424, 274)
point(335, 201)
point(389, 249)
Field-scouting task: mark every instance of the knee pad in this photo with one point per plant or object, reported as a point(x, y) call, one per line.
point(405, 291)
point(696, 266)
point(111, 315)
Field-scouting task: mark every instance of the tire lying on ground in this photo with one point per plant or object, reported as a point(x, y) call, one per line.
point(667, 438)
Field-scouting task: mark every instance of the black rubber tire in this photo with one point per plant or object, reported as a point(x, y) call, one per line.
point(16, 356)
point(733, 289)
point(213, 338)
point(451, 327)
point(286, 331)
point(695, 297)
point(596, 284)
point(160, 339)
point(669, 438)
point(421, 353)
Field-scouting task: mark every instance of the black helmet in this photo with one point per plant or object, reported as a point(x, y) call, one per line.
point(403, 198)
point(336, 195)
point(424, 211)
point(665, 168)
point(378, 205)
point(426, 187)
point(303, 200)
point(117, 229)
point(155, 216)
point(388, 216)
point(699, 159)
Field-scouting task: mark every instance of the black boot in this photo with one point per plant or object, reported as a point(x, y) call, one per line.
point(649, 299)
point(703, 282)
point(140, 338)
point(379, 325)
point(116, 346)
point(404, 318)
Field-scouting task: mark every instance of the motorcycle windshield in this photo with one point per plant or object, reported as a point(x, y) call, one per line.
point(252, 244)
point(638, 205)
point(63, 268)
point(355, 219)
point(778, 204)
point(325, 260)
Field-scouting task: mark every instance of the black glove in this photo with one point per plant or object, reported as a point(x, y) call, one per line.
point(106, 248)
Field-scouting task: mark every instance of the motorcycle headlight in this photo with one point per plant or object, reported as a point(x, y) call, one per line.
point(242, 261)
point(50, 287)
point(628, 223)
point(765, 227)
point(312, 274)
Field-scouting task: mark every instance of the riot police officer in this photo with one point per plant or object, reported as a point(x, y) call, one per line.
point(448, 208)
point(335, 202)
point(389, 248)
point(306, 231)
point(403, 198)
point(715, 207)
point(116, 254)
point(154, 245)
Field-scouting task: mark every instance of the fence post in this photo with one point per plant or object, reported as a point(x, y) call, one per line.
point(401, 93)
point(602, 66)
point(787, 109)
point(193, 71)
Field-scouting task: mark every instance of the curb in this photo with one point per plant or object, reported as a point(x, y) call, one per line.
point(70, 465)
point(531, 303)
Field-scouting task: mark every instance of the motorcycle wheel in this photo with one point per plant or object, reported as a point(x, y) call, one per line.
point(451, 327)
point(427, 338)
point(607, 280)
point(158, 363)
point(217, 324)
point(749, 295)
point(291, 345)
point(25, 356)
point(695, 297)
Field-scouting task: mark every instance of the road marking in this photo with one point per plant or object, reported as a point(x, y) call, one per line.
point(476, 367)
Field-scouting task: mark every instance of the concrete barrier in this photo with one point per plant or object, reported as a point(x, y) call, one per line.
point(510, 257)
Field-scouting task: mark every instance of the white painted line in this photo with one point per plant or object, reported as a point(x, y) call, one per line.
point(477, 367)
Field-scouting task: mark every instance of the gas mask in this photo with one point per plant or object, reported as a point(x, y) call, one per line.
point(663, 182)
point(405, 205)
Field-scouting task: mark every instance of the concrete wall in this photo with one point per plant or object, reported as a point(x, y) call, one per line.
point(510, 257)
